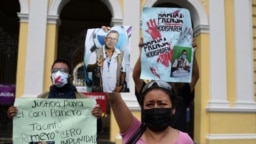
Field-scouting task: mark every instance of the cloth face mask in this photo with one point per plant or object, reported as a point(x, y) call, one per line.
point(59, 79)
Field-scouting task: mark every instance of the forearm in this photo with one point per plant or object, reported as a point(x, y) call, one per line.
point(121, 112)
point(137, 70)
point(136, 73)
point(91, 67)
point(122, 79)
point(195, 74)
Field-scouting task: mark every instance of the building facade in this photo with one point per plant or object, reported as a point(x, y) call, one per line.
point(225, 30)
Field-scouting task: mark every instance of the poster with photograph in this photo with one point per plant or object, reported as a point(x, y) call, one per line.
point(54, 121)
point(107, 59)
point(167, 52)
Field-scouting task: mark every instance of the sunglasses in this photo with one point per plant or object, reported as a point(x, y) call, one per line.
point(159, 83)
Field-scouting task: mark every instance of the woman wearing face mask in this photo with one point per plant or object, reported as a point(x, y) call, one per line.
point(158, 109)
point(62, 87)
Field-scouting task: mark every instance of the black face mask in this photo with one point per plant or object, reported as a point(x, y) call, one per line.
point(158, 119)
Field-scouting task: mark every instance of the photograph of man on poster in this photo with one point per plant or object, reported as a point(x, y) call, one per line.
point(181, 63)
point(107, 59)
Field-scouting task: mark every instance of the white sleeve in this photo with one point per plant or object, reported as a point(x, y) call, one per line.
point(92, 59)
point(123, 64)
point(187, 63)
point(175, 63)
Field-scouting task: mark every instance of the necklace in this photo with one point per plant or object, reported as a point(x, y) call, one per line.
point(108, 60)
point(109, 53)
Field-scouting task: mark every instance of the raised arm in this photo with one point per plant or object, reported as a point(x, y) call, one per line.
point(137, 70)
point(121, 112)
point(195, 69)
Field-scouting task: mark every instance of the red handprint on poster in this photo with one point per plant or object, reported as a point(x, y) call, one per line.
point(154, 72)
point(153, 30)
point(165, 58)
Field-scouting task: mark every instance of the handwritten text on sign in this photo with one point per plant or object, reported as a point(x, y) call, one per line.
point(54, 121)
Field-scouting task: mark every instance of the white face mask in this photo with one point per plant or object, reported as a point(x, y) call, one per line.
point(59, 78)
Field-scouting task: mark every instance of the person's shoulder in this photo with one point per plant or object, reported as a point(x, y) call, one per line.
point(80, 95)
point(98, 50)
point(118, 51)
point(184, 138)
point(43, 95)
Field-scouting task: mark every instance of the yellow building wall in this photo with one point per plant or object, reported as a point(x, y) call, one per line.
point(226, 122)
point(202, 89)
point(235, 141)
point(232, 123)
point(254, 41)
point(230, 49)
point(50, 53)
point(21, 63)
point(114, 130)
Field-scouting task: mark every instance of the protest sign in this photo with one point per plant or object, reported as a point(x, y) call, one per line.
point(105, 77)
point(54, 121)
point(101, 99)
point(7, 94)
point(167, 52)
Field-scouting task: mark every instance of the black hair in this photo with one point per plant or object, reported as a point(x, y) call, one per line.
point(113, 31)
point(65, 62)
point(184, 50)
point(171, 93)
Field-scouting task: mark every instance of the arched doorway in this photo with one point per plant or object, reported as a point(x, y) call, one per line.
point(9, 33)
point(76, 17)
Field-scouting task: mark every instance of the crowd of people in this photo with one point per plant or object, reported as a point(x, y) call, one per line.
point(163, 104)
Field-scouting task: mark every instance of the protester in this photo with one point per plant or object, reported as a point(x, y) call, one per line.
point(184, 90)
point(158, 108)
point(107, 65)
point(62, 88)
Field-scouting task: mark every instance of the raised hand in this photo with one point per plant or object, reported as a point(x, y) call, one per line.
point(100, 61)
point(118, 89)
point(105, 28)
point(194, 44)
point(12, 111)
point(97, 112)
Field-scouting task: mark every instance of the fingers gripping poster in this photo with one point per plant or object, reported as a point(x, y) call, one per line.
point(167, 52)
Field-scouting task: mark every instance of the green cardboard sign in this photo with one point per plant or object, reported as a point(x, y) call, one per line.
point(54, 121)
